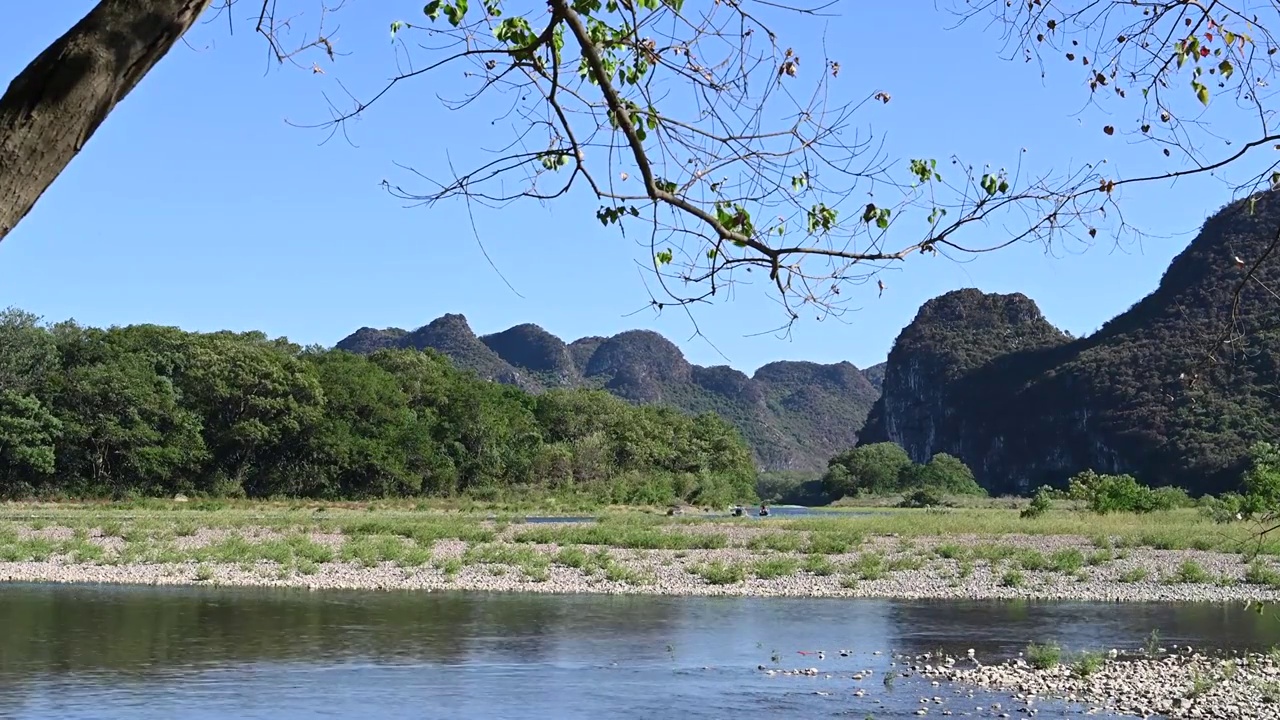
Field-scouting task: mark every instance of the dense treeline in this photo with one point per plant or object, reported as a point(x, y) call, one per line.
point(150, 410)
point(878, 470)
point(884, 469)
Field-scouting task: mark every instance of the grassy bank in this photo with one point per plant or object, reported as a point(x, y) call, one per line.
point(642, 528)
point(979, 552)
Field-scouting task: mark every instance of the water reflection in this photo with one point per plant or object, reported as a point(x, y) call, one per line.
point(112, 652)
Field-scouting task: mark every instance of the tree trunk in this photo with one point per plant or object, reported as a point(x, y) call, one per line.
point(54, 105)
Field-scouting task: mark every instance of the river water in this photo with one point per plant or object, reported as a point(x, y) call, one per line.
point(195, 653)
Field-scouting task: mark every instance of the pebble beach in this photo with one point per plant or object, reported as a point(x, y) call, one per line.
point(1180, 685)
point(954, 567)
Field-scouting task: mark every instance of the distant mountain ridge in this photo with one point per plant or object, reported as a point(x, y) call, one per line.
point(794, 414)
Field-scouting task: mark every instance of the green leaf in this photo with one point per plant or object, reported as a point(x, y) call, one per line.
point(1202, 94)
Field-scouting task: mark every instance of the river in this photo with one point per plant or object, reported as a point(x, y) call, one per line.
point(112, 652)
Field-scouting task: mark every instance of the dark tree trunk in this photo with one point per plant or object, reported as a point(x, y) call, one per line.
point(54, 105)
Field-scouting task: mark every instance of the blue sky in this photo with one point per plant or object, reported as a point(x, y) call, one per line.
point(196, 204)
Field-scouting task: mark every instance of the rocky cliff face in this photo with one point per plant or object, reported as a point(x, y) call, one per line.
point(1155, 392)
point(795, 415)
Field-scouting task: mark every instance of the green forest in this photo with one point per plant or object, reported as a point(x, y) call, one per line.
point(147, 410)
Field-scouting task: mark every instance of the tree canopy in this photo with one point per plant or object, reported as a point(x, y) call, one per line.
point(150, 410)
point(884, 468)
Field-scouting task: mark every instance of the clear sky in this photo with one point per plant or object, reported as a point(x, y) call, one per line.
point(197, 205)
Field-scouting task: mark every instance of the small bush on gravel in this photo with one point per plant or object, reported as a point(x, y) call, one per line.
point(1032, 560)
point(1135, 575)
point(1086, 664)
point(819, 565)
point(1044, 656)
point(775, 567)
point(1261, 573)
point(1013, 579)
point(1067, 561)
point(1191, 572)
point(719, 573)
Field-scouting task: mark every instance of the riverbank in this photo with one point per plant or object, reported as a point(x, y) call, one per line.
point(1185, 684)
point(635, 554)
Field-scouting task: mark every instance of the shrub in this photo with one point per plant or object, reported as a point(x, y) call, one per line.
point(943, 473)
point(1086, 664)
point(1261, 573)
point(1171, 498)
point(1227, 507)
point(1191, 572)
point(1134, 575)
point(1040, 504)
point(1261, 481)
point(1045, 656)
point(1122, 493)
point(775, 567)
point(719, 573)
point(924, 497)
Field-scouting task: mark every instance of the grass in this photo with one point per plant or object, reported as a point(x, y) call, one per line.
point(1262, 573)
point(1135, 575)
point(1086, 664)
point(775, 567)
point(834, 542)
point(1190, 572)
point(1099, 557)
point(904, 562)
point(414, 557)
point(621, 536)
point(372, 550)
point(1013, 579)
point(720, 573)
point(1068, 561)
point(573, 557)
point(1174, 529)
point(776, 542)
point(450, 567)
point(1032, 560)
point(404, 534)
point(818, 565)
point(431, 520)
point(534, 565)
point(37, 549)
point(1200, 684)
point(868, 566)
point(600, 561)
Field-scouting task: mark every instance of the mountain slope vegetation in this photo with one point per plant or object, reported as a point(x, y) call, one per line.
point(1174, 390)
